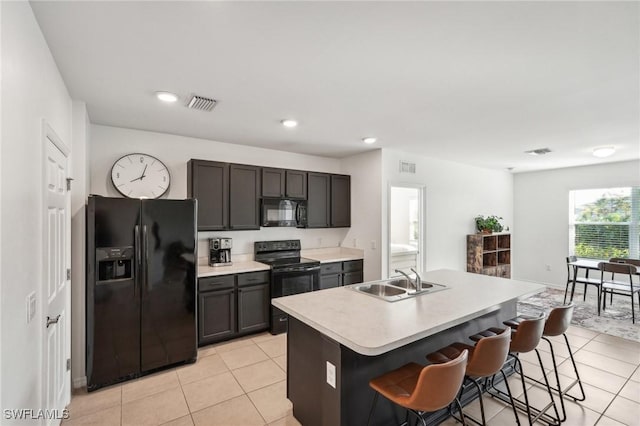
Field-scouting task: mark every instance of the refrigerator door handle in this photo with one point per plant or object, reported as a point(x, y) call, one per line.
point(138, 261)
point(145, 275)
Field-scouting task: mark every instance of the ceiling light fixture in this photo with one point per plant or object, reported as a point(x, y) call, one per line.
point(604, 151)
point(289, 123)
point(369, 140)
point(166, 96)
point(539, 151)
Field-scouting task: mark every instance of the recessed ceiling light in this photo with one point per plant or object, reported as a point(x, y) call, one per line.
point(369, 140)
point(289, 123)
point(604, 151)
point(539, 151)
point(166, 96)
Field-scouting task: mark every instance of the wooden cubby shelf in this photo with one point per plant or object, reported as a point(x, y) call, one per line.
point(489, 254)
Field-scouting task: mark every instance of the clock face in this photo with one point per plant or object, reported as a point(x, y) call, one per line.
point(140, 176)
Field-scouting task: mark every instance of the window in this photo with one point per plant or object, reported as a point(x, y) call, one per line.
point(604, 223)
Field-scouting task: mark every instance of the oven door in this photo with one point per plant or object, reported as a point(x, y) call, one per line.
point(288, 281)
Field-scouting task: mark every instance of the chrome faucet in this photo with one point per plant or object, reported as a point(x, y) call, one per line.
point(417, 281)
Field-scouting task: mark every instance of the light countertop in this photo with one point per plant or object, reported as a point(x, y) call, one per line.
point(333, 254)
point(238, 267)
point(372, 326)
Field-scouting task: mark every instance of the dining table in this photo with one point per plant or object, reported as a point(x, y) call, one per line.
point(588, 265)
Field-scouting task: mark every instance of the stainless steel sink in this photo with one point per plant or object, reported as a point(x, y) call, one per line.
point(395, 289)
point(381, 290)
point(406, 284)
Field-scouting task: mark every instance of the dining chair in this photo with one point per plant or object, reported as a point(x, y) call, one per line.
point(573, 278)
point(634, 262)
point(617, 286)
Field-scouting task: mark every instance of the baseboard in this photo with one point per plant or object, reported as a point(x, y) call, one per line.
point(80, 382)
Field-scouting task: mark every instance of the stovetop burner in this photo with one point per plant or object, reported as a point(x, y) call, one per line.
point(281, 254)
point(290, 261)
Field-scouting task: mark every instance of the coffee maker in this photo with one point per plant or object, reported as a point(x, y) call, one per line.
point(220, 251)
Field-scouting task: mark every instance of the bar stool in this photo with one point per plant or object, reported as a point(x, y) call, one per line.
point(524, 339)
point(486, 359)
point(557, 324)
point(421, 389)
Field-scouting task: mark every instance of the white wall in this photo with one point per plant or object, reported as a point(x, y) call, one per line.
point(32, 86)
point(1, 260)
point(541, 215)
point(110, 143)
point(455, 194)
point(366, 206)
point(79, 192)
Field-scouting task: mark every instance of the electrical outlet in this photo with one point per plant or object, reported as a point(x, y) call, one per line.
point(355, 242)
point(373, 244)
point(331, 375)
point(548, 267)
point(319, 242)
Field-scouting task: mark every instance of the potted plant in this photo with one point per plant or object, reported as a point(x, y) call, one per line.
point(488, 224)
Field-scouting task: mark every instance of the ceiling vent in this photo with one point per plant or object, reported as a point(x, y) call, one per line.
point(406, 167)
point(539, 151)
point(201, 103)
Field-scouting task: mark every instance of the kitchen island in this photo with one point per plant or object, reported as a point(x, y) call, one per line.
point(341, 338)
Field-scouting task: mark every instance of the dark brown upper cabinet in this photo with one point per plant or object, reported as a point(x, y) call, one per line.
point(318, 200)
point(208, 182)
point(228, 195)
point(296, 186)
point(273, 183)
point(244, 197)
point(281, 183)
point(340, 201)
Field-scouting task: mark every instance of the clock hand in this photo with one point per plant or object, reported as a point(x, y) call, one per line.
point(142, 175)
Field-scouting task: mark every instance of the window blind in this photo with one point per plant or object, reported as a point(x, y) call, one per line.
point(604, 223)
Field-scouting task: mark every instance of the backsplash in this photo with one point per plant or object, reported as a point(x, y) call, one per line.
point(243, 240)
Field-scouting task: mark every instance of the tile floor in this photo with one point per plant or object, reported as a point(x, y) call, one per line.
point(242, 382)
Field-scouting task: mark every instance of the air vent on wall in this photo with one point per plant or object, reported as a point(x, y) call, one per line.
point(406, 167)
point(201, 103)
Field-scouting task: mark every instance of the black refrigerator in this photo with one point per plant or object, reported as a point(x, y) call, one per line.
point(141, 287)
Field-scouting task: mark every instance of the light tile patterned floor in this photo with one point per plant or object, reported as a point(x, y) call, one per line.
point(242, 383)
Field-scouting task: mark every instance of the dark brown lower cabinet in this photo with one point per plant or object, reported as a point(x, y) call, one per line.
point(253, 308)
point(217, 315)
point(336, 274)
point(232, 305)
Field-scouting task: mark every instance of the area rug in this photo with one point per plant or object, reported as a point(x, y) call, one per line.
point(616, 320)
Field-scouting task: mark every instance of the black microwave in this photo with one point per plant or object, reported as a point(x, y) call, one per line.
point(284, 212)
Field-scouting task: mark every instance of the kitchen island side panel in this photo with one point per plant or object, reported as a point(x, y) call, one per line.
point(316, 403)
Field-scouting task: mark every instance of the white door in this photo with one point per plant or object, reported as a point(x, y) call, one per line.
point(56, 315)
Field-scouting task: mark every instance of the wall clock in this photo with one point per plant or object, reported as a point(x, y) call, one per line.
point(140, 176)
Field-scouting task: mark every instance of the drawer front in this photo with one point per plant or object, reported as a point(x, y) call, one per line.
point(330, 268)
point(352, 265)
point(216, 283)
point(352, 278)
point(253, 278)
point(330, 281)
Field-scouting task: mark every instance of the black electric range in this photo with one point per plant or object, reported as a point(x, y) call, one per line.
point(290, 274)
